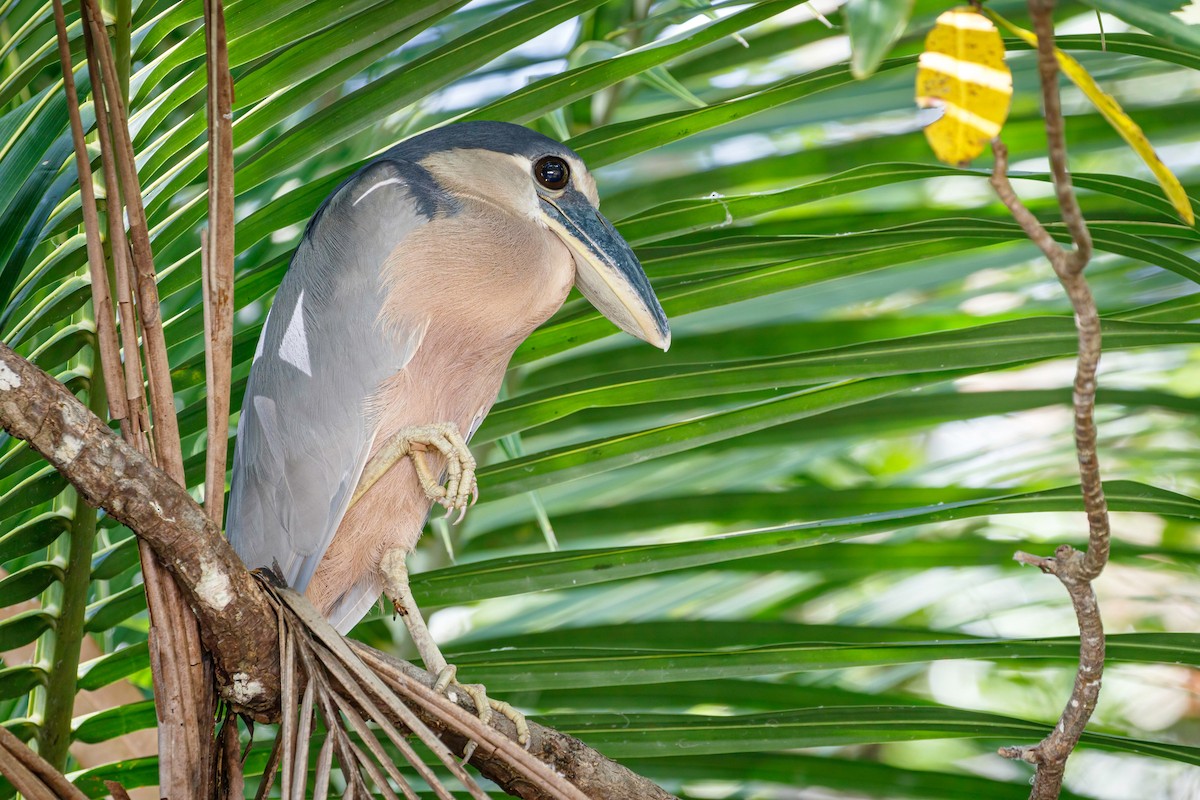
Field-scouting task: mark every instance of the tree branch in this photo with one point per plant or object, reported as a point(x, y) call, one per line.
point(1075, 570)
point(237, 622)
point(1056, 143)
point(32, 775)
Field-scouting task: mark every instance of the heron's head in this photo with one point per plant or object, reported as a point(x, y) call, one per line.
point(531, 175)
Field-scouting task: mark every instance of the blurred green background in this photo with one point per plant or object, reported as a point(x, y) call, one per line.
point(776, 561)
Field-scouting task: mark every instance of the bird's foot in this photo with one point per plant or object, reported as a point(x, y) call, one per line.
point(461, 490)
point(448, 682)
point(393, 568)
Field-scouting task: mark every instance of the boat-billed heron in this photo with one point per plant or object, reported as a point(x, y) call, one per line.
point(386, 345)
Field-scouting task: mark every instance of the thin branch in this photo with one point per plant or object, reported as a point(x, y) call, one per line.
point(106, 334)
point(218, 266)
point(17, 760)
point(1075, 570)
point(116, 790)
point(1087, 319)
point(22, 779)
point(1056, 143)
point(1029, 223)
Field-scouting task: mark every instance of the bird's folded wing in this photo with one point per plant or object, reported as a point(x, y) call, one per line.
point(304, 433)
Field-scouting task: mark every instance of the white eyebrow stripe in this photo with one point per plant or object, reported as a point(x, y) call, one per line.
point(294, 347)
point(363, 196)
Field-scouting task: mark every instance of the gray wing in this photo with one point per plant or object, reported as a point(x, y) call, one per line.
point(303, 439)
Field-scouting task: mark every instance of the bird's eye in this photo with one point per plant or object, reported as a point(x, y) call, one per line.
point(552, 172)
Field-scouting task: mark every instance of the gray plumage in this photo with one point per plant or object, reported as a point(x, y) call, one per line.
point(412, 286)
point(302, 438)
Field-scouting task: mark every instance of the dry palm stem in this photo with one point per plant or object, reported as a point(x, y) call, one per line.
point(357, 685)
point(217, 256)
point(166, 426)
point(1076, 570)
point(110, 358)
point(32, 775)
point(139, 416)
point(182, 675)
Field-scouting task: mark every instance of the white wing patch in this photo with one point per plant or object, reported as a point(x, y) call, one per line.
point(294, 348)
point(262, 337)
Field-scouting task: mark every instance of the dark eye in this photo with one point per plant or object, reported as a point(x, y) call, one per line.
point(552, 172)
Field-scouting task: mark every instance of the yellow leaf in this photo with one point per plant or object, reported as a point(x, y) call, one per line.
point(1116, 116)
point(962, 71)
